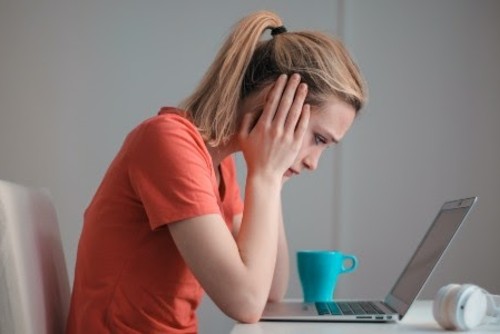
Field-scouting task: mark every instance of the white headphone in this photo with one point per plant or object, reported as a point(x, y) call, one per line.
point(463, 307)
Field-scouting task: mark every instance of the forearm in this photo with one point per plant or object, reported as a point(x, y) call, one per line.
point(257, 239)
point(236, 273)
point(282, 268)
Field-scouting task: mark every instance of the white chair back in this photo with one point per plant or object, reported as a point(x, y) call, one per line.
point(34, 287)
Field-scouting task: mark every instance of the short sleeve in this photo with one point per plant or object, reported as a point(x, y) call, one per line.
point(171, 171)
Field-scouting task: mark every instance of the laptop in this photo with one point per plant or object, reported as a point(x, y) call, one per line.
point(406, 289)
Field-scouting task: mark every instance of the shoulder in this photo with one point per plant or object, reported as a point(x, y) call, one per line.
point(170, 120)
point(170, 128)
point(166, 139)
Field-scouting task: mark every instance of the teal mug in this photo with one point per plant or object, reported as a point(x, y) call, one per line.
point(319, 271)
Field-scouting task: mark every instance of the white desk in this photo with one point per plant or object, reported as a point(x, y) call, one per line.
point(418, 320)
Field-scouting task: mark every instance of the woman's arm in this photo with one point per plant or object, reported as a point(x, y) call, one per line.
point(237, 273)
point(282, 269)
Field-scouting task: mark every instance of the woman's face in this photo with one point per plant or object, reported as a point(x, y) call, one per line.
point(327, 126)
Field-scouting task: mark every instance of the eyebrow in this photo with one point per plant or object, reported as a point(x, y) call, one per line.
point(328, 135)
point(332, 137)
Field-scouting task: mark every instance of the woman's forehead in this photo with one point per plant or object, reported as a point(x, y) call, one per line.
point(334, 117)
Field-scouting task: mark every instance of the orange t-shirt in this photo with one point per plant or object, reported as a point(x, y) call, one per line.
point(130, 277)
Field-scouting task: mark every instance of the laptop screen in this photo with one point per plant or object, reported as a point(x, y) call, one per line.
point(429, 252)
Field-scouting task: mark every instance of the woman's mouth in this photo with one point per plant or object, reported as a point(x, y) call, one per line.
point(291, 172)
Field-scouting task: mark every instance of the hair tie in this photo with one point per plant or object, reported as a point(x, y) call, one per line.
point(278, 30)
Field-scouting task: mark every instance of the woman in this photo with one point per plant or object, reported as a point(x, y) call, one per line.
point(167, 221)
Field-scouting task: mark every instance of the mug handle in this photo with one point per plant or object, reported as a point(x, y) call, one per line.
point(354, 263)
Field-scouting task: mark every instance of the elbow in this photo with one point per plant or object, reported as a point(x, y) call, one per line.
point(249, 318)
point(248, 311)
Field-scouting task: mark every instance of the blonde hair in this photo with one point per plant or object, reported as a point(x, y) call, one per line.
point(245, 64)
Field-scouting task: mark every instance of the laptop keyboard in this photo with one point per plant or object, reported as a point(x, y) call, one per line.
point(347, 308)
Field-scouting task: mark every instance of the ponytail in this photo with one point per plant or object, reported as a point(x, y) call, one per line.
point(212, 107)
point(245, 64)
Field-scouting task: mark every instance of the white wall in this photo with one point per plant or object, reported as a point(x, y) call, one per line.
point(76, 76)
point(429, 134)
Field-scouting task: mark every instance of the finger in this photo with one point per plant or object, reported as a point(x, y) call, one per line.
point(296, 108)
point(273, 99)
point(301, 128)
point(287, 99)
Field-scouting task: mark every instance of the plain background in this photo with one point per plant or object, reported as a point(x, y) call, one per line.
point(77, 76)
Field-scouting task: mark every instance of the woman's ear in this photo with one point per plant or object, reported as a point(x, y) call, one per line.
point(255, 117)
point(253, 106)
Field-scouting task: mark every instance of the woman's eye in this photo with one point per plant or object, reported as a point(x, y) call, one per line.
point(318, 139)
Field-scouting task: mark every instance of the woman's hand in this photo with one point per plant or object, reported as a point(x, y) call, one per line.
point(271, 146)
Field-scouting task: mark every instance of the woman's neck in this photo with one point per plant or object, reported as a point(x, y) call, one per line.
point(221, 152)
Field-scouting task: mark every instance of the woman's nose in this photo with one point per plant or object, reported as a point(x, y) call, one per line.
point(312, 159)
